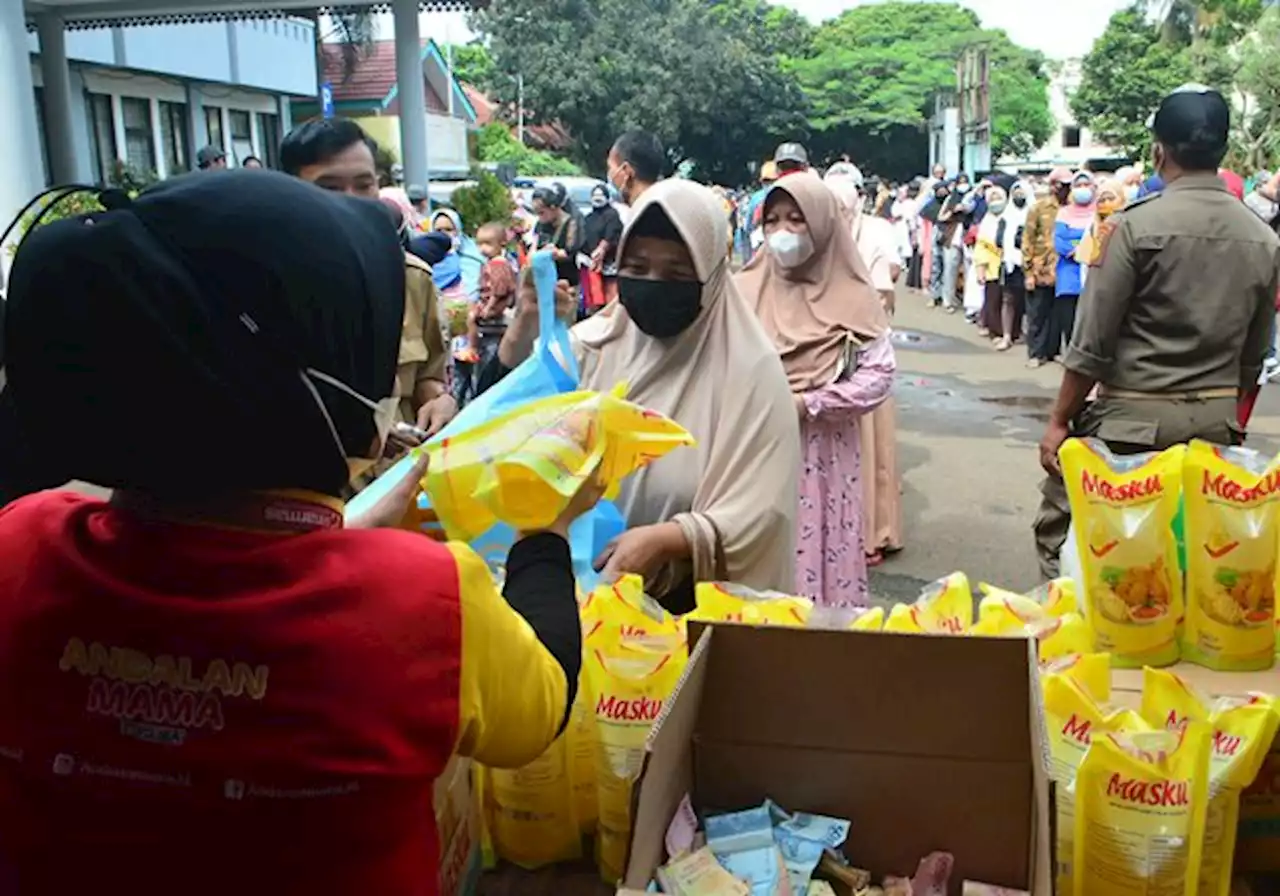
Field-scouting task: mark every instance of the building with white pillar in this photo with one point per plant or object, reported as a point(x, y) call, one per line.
point(87, 84)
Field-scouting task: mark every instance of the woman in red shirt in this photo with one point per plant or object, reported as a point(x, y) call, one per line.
point(210, 683)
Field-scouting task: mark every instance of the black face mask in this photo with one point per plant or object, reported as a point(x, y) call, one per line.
point(1019, 201)
point(661, 308)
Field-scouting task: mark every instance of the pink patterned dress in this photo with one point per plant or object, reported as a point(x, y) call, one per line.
point(831, 567)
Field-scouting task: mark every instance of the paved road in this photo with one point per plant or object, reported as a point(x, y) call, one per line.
point(969, 420)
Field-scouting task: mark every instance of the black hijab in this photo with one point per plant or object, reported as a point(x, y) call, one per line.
point(431, 247)
point(160, 347)
point(934, 203)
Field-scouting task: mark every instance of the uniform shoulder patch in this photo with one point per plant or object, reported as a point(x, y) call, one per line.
point(1143, 200)
point(1103, 237)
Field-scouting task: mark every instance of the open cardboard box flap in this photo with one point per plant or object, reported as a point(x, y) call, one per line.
point(925, 743)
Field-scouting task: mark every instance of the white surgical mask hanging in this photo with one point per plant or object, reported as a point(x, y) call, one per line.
point(384, 416)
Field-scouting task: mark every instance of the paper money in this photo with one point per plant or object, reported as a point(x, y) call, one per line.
point(744, 844)
point(738, 831)
point(802, 837)
point(683, 829)
point(763, 869)
point(699, 874)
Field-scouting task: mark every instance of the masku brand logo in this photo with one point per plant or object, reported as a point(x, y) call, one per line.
point(640, 709)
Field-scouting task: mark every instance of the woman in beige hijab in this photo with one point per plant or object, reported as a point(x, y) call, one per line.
point(687, 345)
point(814, 295)
point(881, 487)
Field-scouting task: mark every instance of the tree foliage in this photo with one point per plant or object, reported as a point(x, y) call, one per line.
point(473, 64)
point(487, 201)
point(495, 143)
point(354, 30)
point(1208, 29)
point(1257, 141)
point(698, 73)
point(872, 74)
point(1124, 77)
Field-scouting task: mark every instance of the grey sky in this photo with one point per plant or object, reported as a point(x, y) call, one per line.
point(1058, 28)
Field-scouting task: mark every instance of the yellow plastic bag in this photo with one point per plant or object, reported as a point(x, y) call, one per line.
point(630, 684)
point(1123, 510)
point(1141, 801)
point(943, 608)
point(581, 734)
point(530, 811)
point(720, 602)
point(1066, 635)
point(1242, 732)
point(1073, 718)
point(870, 621)
point(1054, 598)
point(626, 611)
point(523, 467)
point(1091, 672)
point(1232, 531)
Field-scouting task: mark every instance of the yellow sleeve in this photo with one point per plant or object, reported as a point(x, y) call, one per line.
point(513, 693)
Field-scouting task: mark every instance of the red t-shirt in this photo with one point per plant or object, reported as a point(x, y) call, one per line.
point(201, 710)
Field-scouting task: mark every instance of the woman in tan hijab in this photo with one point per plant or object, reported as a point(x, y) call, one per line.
point(814, 295)
point(687, 345)
point(881, 487)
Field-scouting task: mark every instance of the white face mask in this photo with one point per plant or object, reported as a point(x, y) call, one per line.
point(384, 417)
point(790, 248)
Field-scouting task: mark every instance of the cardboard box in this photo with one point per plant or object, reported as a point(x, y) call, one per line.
point(1258, 837)
point(458, 825)
point(925, 743)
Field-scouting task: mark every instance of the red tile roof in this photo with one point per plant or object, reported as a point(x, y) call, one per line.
point(486, 109)
point(373, 77)
point(538, 136)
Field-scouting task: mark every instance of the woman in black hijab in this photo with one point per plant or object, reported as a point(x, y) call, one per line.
point(213, 654)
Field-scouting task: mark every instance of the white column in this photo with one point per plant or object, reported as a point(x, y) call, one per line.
point(58, 127)
point(157, 141)
point(284, 109)
point(227, 144)
point(412, 92)
point(24, 172)
point(117, 123)
point(197, 129)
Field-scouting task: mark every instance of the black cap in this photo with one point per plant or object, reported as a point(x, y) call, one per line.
point(208, 155)
point(1193, 116)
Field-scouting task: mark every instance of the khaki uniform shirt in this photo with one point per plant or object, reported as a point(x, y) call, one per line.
point(1182, 294)
point(422, 354)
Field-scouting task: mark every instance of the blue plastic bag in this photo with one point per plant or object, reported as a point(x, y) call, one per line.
point(541, 375)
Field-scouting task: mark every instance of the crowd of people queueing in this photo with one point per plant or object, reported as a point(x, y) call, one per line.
point(1010, 252)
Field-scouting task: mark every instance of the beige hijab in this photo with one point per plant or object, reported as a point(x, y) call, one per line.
point(874, 245)
point(811, 311)
point(735, 494)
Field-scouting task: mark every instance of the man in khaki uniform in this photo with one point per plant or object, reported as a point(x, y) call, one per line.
point(1175, 316)
point(336, 154)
